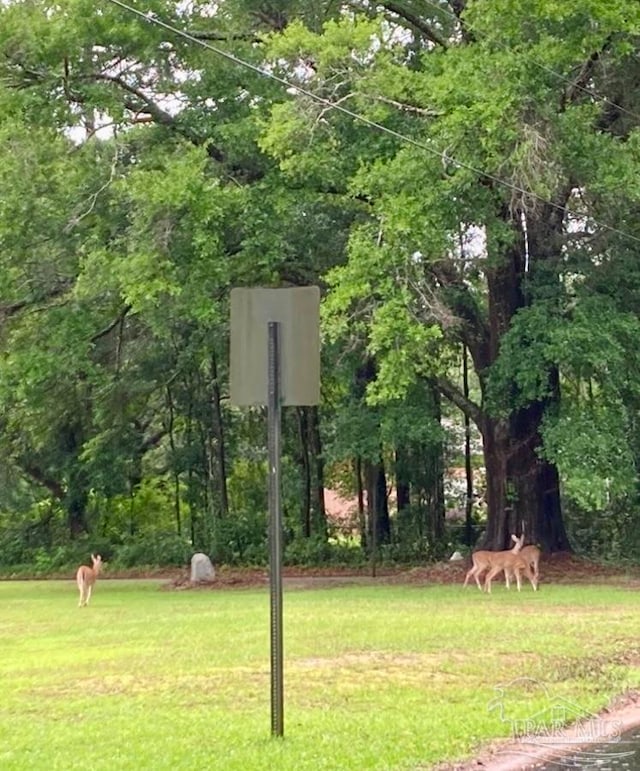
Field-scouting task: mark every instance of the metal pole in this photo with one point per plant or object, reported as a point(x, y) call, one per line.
point(275, 529)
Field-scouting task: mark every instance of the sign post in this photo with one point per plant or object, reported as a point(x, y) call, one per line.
point(275, 528)
point(275, 360)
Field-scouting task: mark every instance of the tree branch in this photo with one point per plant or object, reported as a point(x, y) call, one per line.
point(6, 311)
point(456, 397)
point(417, 23)
point(38, 475)
point(474, 332)
point(112, 325)
point(422, 111)
point(160, 116)
point(578, 87)
point(459, 7)
point(248, 38)
point(148, 105)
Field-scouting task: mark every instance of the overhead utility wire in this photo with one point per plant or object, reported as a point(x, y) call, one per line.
point(495, 40)
point(151, 18)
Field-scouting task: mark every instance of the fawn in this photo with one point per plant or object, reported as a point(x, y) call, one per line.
point(86, 578)
point(511, 562)
point(531, 554)
point(486, 560)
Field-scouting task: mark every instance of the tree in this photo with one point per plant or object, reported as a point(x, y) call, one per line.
point(511, 116)
point(145, 175)
point(151, 199)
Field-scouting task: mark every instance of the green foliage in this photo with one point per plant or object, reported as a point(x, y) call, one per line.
point(144, 176)
point(147, 511)
point(153, 550)
point(318, 551)
point(595, 350)
point(588, 444)
point(608, 534)
point(241, 539)
point(520, 375)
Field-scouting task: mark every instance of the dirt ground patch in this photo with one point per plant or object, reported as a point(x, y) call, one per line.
point(554, 569)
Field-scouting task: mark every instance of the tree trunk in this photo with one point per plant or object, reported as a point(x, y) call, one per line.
point(403, 485)
point(362, 521)
point(521, 486)
point(522, 489)
point(377, 504)
point(305, 465)
point(76, 503)
point(315, 442)
point(468, 467)
point(219, 437)
point(77, 491)
point(175, 472)
point(436, 463)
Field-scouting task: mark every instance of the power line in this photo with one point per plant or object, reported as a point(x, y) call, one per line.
point(151, 18)
point(535, 62)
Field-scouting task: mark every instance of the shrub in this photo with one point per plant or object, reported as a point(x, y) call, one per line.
point(155, 549)
point(240, 539)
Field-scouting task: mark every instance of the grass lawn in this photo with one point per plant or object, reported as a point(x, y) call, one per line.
point(376, 677)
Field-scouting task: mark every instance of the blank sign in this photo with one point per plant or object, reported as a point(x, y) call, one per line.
point(297, 310)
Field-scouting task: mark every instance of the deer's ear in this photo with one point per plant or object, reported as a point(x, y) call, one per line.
point(514, 538)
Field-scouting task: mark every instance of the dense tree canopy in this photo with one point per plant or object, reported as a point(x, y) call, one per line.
point(459, 177)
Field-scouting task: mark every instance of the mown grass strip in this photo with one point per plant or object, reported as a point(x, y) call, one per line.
point(376, 677)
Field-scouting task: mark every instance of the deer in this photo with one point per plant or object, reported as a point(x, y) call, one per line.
point(511, 562)
point(86, 578)
point(486, 560)
point(530, 553)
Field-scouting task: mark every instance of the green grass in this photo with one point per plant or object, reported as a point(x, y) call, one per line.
point(376, 677)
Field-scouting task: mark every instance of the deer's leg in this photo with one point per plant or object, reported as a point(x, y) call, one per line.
point(490, 575)
point(518, 581)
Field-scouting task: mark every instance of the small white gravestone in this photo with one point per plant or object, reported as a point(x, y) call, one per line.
point(456, 557)
point(201, 568)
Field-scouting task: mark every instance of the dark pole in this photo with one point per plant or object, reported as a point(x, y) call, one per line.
point(275, 529)
point(468, 522)
point(373, 488)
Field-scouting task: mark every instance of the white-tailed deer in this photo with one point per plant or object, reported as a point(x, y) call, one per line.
point(487, 560)
point(512, 562)
point(86, 578)
point(529, 553)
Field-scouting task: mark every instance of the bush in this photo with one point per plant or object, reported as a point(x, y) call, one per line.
point(153, 550)
point(317, 551)
point(240, 539)
point(611, 536)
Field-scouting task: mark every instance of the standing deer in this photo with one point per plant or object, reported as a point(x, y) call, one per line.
point(511, 562)
point(487, 560)
point(531, 554)
point(86, 578)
